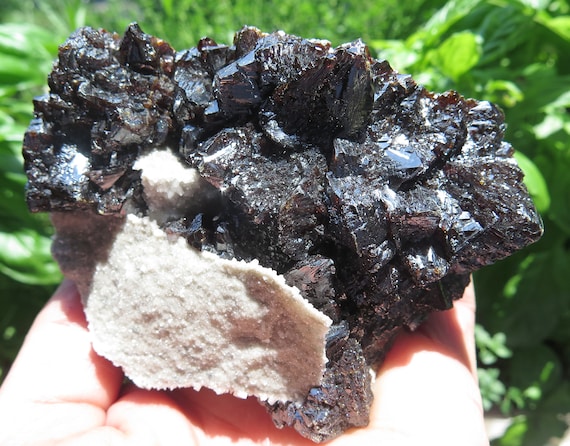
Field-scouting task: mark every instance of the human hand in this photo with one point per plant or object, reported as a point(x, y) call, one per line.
point(60, 392)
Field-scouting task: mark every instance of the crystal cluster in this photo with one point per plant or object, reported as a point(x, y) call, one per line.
point(373, 196)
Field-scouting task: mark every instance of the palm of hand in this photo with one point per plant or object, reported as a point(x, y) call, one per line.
point(60, 392)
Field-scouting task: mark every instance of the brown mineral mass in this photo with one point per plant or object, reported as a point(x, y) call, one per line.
point(287, 205)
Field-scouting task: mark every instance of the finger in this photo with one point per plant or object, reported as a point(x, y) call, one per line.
point(141, 418)
point(454, 329)
point(57, 363)
point(425, 396)
point(243, 421)
point(145, 417)
point(57, 374)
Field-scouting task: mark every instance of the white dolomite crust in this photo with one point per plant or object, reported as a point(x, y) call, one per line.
point(172, 316)
point(167, 184)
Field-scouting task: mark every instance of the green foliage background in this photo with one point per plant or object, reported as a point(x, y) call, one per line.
point(512, 52)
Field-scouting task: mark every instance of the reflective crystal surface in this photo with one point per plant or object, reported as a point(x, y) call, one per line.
point(372, 195)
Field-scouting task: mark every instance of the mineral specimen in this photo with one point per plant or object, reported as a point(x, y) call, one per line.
point(258, 206)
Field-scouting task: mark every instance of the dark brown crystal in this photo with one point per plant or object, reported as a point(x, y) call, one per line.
point(373, 196)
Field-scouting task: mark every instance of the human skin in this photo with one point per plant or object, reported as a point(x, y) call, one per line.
point(60, 392)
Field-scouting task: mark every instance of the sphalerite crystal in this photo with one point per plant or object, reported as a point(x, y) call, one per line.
point(311, 173)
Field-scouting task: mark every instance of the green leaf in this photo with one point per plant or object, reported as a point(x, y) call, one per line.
point(552, 123)
point(562, 333)
point(536, 4)
point(399, 55)
point(25, 40)
point(514, 398)
point(14, 68)
point(19, 304)
point(490, 348)
point(528, 319)
point(458, 54)
point(559, 25)
point(167, 7)
point(543, 87)
point(555, 164)
point(546, 424)
point(535, 369)
point(13, 210)
point(491, 387)
point(25, 257)
point(515, 433)
point(504, 92)
point(445, 18)
point(503, 29)
point(525, 296)
point(534, 182)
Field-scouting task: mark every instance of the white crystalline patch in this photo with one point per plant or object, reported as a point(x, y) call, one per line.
point(169, 185)
point(172, 316)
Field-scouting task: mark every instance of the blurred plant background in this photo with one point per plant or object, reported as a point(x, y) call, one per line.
point(515, 53)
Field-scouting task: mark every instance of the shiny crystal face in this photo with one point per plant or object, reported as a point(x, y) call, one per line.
point(371, 195)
